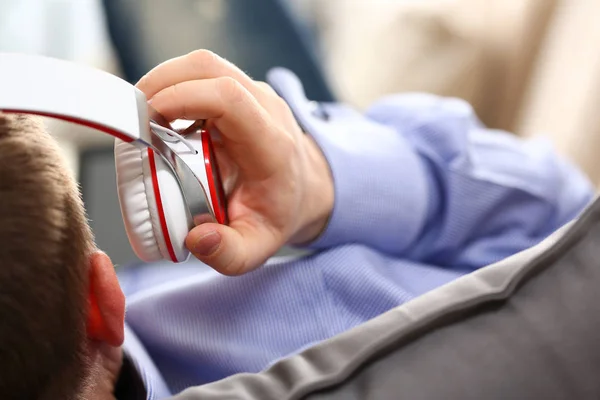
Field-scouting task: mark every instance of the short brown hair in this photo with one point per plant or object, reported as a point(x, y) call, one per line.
point(44, 243)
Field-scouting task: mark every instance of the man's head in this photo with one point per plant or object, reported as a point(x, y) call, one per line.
point(60, 302)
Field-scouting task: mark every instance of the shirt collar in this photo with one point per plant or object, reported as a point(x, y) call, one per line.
point(130, 385)
point(139, 377)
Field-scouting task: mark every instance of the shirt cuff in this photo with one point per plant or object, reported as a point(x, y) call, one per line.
point(381, 184)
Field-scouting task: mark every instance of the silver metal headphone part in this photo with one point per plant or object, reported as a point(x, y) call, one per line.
point(170, 132)
point(194, 193)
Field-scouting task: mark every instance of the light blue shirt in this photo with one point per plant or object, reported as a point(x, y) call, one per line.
point(423, 194)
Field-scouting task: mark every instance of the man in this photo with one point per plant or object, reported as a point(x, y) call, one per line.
point(393, 204)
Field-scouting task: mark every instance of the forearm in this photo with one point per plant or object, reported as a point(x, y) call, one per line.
point(424, 180)
point(496, 194)
point(381, 184)
point(419, 177)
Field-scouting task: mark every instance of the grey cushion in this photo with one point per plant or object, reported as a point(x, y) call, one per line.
point(524, 328)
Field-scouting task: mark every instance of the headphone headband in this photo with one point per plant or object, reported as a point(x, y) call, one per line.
point(72, 92)
point(60, 89)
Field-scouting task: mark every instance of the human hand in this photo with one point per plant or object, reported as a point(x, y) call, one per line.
point(278, 183)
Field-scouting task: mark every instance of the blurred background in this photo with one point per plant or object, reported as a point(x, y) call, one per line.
point(531, 67)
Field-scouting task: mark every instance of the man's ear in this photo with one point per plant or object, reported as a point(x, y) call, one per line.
point(106, 314)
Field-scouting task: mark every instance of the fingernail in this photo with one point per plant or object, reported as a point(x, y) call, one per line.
point(207, 244)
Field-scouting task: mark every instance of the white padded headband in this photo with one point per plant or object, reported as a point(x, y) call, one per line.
point(64, 90)
point(60, 89)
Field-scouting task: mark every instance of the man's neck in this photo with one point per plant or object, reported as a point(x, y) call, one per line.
point(105, 369)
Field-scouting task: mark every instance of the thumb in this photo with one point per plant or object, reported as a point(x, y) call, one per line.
point(231, 250)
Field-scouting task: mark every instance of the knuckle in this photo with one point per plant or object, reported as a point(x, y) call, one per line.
point(230, 90)
point(202, 58)
point(279, 108)
point(264, 86)
point(274, 100)
point(281, 104)
point(269, 91)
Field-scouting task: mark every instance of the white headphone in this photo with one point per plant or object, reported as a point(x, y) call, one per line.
point(164, 179)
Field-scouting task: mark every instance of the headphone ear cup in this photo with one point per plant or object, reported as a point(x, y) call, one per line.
point(152, 204)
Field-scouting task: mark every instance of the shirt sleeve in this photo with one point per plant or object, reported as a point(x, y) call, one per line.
point(418, 176)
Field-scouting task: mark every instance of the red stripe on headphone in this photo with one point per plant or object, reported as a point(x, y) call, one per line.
point(215, 185)
point(77, 121)
point(159, 206)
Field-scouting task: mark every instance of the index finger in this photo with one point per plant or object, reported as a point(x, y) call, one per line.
point(197, 65)
point(241, 120)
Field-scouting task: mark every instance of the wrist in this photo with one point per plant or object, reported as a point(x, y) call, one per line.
point(318, 199)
